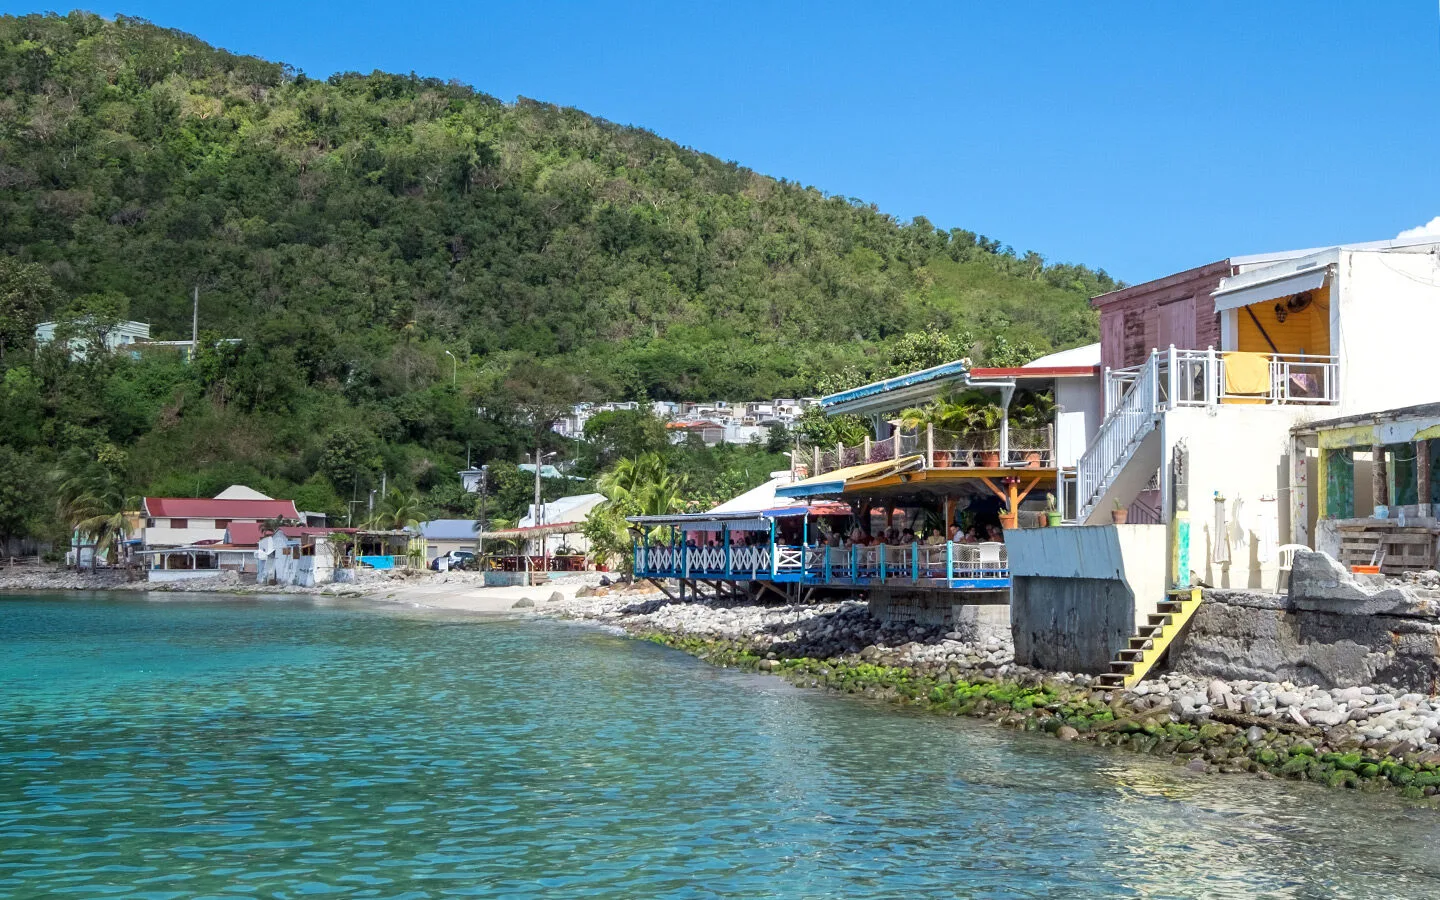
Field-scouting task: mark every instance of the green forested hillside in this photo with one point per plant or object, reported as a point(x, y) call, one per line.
point(351, 231)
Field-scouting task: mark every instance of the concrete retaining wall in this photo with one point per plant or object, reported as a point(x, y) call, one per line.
point(1332, 630)
point(1077, 592)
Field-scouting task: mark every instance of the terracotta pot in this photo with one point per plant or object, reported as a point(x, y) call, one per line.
point(1118, 516)
point(1032, 459)
point(990, 459)
point(1009, 521)
point(942, 460)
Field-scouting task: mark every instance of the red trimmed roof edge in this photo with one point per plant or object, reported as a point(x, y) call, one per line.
point(1037, 372)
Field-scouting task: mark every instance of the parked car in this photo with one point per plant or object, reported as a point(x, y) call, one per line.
point(455, 559)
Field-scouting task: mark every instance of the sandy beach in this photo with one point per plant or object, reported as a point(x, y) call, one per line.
point(460, 591)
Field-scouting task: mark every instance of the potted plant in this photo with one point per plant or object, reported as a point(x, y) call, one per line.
point(972, 414)
point(1119, 514)
point(918, 419)
point(1052, 512)
point(1030, 414)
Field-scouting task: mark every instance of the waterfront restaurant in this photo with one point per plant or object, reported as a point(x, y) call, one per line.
point(915, 516)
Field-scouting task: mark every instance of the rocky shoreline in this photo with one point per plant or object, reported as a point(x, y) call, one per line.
point(1367, 738)
point(48, 578)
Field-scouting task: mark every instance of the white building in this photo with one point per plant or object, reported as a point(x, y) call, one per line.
point(561, 521)
point(187, 521)
point(122, 335)
point(1207, 371)
point(300, 555)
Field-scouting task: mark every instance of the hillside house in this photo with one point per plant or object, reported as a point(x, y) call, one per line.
point(122, 335)
point(186, 521)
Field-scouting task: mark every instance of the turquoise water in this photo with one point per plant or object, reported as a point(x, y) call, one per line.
point(280, 749)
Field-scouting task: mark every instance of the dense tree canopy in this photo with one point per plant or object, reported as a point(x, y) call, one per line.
point(413, 269)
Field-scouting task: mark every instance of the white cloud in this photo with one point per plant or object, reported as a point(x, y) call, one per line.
point(1431, 227)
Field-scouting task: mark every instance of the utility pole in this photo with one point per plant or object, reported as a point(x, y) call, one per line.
point(195, 326)
point(484, 518)
point(540, 510)
point(383, 476)
point(454, 368)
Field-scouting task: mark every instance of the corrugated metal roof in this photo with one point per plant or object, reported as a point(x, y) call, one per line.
point(206, 508)
point(449, 529)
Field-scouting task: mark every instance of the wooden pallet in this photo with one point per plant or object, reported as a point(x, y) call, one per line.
point(1405, 549)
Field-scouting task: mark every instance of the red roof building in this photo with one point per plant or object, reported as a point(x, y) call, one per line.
point(205, 508)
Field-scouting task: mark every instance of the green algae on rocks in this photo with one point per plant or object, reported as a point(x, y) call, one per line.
point(1078, 713)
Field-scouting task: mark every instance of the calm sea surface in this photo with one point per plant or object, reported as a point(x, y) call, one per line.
point(203, 748)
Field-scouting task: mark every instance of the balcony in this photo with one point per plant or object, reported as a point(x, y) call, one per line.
point(1021, 448)
point(1205, 378)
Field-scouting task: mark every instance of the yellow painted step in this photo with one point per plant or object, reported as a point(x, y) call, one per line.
point(1151, 640)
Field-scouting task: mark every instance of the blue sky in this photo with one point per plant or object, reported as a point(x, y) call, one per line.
point(1140, 137)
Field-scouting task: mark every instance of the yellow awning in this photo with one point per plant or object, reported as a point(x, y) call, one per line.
point(834, 482)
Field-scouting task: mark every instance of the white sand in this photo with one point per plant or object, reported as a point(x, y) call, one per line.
point(468, 596)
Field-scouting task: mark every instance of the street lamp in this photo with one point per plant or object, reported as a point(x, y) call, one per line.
point(454, 368)
point(540, 506)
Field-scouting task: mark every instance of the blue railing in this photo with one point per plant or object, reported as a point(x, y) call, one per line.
point(948, 565)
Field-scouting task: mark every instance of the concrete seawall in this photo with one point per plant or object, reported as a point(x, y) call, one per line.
point(1076, 593)
point(1333, 630)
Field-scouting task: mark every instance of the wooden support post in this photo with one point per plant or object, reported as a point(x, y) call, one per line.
point(1422, 476)
point(929, 445)
point(867, 449)
point(1379, 483)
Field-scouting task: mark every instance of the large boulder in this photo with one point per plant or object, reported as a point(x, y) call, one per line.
point(1319, 583)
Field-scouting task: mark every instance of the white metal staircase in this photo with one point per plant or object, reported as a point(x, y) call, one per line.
point(1127, 433)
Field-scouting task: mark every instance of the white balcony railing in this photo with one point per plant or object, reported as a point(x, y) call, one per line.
point(1173, 378)
point(1198, 378)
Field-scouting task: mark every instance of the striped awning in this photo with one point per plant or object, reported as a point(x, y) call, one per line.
point(834, 482)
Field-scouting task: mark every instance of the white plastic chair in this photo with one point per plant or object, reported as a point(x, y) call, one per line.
point(1285, 556)
point(991, 554)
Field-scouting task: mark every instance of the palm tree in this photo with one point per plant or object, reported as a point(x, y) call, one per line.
point(970, 410)
point(91, 499)
point(397, 512)
point(631, 475)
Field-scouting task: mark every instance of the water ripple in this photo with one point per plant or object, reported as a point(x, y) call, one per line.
point(279, 749)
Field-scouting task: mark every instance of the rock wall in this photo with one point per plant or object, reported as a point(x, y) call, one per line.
point(1332, 630)
point(986, 613)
